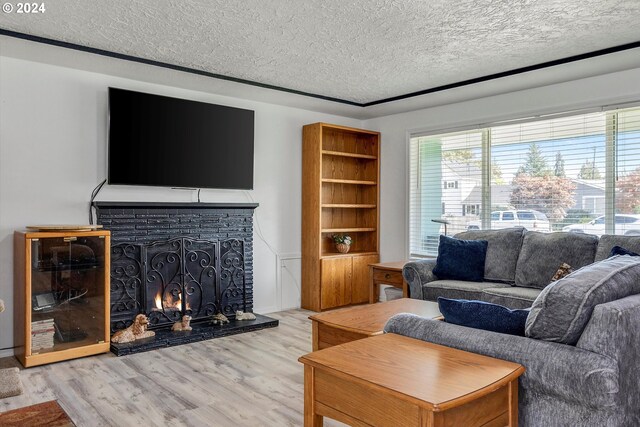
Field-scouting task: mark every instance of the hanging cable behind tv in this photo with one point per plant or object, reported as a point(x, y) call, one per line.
point(94, 194)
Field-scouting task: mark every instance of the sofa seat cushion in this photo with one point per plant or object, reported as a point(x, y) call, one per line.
point(608, 241)
point(512, 297)
point(543, 253)
point(502, 252)
point(563, 309)
point(457, 289)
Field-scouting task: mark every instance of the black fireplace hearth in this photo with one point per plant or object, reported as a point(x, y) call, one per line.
point(200, 332)
point(175, 259)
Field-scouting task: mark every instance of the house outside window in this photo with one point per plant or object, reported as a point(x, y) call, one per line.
point(470, 210)
point(556, 173)
point(594, 204)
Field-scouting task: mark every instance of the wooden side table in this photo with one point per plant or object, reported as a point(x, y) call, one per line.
point(386, 273)
point(391, 380)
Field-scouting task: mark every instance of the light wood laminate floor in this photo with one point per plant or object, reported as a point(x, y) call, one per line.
point(251, 379)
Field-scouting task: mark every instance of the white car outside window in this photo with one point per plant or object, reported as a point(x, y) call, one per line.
point(527, 218)
point(625, 225)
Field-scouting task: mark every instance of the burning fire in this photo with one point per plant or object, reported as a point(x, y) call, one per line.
point(170, 304)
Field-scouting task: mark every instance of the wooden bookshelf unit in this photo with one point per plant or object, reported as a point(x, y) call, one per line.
point(340, 195)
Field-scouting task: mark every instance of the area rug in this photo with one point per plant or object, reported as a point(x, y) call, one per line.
point(48, 414)
point(10, 384)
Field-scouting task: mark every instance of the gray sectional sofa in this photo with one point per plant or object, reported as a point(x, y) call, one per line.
point(594, 383)
point(518, 266)
point(583, 332)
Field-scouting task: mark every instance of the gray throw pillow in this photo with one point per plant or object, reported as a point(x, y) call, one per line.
point(563, 309)
point(502, 252)
point(542, 253)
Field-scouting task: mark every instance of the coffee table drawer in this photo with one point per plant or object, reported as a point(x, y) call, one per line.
point(329, 336)
point(361, 403)
point(386, 276)
point(487, 411)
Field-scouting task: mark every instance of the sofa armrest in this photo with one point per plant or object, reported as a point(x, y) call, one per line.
point(571, 373)
point(417, 273)
point(613, 331)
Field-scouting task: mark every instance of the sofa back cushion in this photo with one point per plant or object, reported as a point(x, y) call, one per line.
point(608, 241)
point(502, 252)
point(543, 253)
point(563, 309)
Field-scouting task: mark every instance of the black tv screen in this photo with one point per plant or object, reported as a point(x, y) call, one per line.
point(169, 142)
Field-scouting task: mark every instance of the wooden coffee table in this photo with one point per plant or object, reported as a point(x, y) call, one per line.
point(353, 323)
point(391, 380)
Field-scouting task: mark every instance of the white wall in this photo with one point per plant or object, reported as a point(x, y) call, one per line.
point(53, 153)
point(590, 92)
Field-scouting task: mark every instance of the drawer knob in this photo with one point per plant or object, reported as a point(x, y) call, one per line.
point(387, 276)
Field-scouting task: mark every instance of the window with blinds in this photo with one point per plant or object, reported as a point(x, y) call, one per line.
point(574, 173)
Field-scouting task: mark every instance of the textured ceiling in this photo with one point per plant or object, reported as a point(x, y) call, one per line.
point(360, 51)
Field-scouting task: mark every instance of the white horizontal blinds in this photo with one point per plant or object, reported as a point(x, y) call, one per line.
point(445, 185)
point(577, 173)
point(555, 167)
point(627, 182)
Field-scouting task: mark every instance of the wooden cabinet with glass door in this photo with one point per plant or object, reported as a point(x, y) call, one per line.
point(61, 295)
point(340, 195)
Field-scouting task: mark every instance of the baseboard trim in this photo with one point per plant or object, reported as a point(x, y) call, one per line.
point(9, 352)
point(266, 310)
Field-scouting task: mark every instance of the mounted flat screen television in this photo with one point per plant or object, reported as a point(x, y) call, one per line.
point(168, 142)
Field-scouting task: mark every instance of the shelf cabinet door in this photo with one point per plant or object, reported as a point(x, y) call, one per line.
point(360, 281)
point(335, 286)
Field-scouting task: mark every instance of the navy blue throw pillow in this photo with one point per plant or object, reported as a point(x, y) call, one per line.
point(483, 315)
point(618, 250)
point(461, 259)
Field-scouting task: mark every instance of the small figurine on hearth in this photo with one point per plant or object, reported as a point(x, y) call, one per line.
point(241, 315)
point(136, 331)
point(184, 325)
point(219, 319)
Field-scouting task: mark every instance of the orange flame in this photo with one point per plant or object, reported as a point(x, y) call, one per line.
point(170, 304)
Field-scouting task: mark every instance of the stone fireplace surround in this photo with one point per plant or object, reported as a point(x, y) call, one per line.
point(167, 258)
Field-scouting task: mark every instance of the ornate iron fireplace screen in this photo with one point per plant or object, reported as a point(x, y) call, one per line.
point(167, 279)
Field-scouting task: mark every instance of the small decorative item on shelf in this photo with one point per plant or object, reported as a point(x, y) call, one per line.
point(343, 242)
